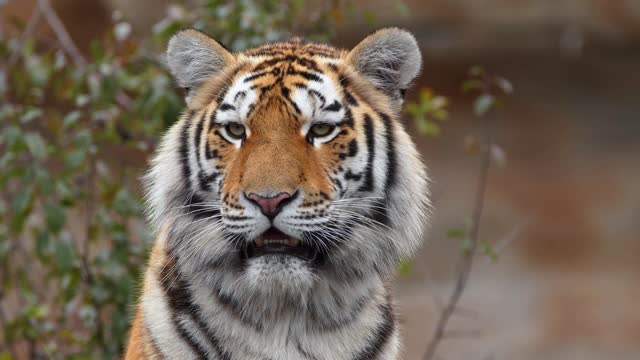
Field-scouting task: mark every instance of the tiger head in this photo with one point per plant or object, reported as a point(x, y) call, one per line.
point(290, 168)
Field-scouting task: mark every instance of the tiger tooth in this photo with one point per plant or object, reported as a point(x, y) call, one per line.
point(260, 241)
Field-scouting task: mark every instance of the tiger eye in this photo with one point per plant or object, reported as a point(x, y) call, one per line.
point(236, 130)
point(321, 129)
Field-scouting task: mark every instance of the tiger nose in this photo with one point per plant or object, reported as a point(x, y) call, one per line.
point(270, 205)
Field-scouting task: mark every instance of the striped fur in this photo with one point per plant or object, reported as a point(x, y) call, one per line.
point(361, 200)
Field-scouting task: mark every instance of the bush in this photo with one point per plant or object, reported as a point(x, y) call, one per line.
point(75, 133)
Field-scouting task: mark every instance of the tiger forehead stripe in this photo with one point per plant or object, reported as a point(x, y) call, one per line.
point(297, 46)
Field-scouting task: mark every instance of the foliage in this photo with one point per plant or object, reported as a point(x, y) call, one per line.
point(74, 135)
point(427, 111)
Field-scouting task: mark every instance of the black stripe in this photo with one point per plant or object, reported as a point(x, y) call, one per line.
point(286, 92)
point(181, 302)
point(154, 345)
point(235, 309)
point(348, 118)
point(256, 76)
point(304, 352)
point(265, 52)
point(391, 151)
point(226, 107)
point(380, 214)
point(368, 171)
point(305, 74)
point(308, 63)
point(326, 324)
point(208, 152)
point(197, 208)
point(178, 299)
point(319, 96)
point(350, 99)
point(205, 180)
point(239, 94)
point(353, 148)
point(212, 153)
point(338, 184)
point(271, 62)
point(333, 67)
point(333, 107)
point(381, 336)
point(349, 175)
point(184, 151)
point(197, 140)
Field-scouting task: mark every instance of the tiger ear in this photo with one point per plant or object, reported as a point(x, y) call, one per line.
point(390, 58)
point(194, 57)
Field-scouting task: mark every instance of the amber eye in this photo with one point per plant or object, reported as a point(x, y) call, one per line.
point(236, 130)
point(321, 129)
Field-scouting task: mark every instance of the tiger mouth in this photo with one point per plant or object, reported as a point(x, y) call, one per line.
point(275, 242)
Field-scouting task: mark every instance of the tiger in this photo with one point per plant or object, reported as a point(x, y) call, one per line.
point(283, 201)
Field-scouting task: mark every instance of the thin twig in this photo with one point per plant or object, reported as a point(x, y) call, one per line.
point(28, 30)
point(61, 32)
point(466, 261)
point(469, 333)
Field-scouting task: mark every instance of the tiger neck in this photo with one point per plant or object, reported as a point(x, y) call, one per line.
point(332, 320)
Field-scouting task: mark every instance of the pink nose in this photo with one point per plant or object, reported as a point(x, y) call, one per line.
point(270, 206)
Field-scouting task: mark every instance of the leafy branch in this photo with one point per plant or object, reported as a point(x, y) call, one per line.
point(489, 88)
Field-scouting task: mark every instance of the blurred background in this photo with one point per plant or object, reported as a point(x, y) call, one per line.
point(84, 96)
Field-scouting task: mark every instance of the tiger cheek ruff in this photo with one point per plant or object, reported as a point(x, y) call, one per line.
point(283, 200)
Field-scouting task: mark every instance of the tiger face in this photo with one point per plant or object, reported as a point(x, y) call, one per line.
point(289, 168)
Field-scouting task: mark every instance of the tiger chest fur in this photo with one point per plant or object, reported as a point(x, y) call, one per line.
point(283, 200)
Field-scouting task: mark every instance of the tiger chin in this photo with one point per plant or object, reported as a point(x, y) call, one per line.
point(283, 201)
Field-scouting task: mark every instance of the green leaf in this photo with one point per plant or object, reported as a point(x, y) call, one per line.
point(83, 139)
point(11, 136)
point(42, 245)
point(55, 217)
point(402, 9)
point(456, 233)
point(46, 184)
point(36, 145)
point(429, 128)
point(466, 246)
point(22, 201)
point(65, 194)
point(472, 84)
point(405, 266)
point(504, 85)
point(74, 159)
point(483, 104)
point(36, 311)
point(30, 115)
point(126, 204)
point(498, 155)
point(488, 250)
point(71, 119)
point(21, 208)
point(64, 253)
